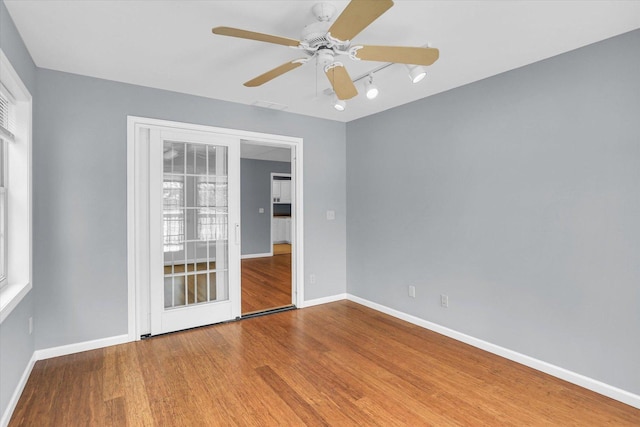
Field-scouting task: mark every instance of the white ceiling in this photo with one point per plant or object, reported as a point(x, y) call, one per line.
point(169, 45)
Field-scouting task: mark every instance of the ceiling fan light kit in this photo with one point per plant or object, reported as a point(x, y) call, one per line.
point(325, 57)
point(324, 40)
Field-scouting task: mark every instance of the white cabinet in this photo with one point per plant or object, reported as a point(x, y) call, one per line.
point(276, 230)
point(277, 190)
point(285, 192)
point(281, 194)
point(281, 191)
point(281, 229)
point(287, 230)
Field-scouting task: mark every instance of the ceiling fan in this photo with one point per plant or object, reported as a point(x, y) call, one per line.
point(325, 41)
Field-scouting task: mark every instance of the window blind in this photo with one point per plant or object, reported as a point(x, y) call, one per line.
point(7, 122)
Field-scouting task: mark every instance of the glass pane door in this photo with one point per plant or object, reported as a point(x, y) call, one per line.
point(195, 274)
point(195, 224)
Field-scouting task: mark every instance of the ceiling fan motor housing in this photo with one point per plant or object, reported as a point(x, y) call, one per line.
point(315, 37)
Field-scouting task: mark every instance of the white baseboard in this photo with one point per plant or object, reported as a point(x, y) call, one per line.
point(556, 371)
point(266, 254)
point(13, 402)
point(324, 300)
point(63, 350)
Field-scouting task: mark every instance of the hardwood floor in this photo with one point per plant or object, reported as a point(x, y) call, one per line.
point(266, 283)
point(281, 248)
point(336, 364)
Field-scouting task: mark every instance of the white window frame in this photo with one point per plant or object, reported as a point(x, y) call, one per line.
point(7, 127)
point(4, 224)
point(19, 251)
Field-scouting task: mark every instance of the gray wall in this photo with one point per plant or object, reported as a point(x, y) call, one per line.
point(519, 197)
point(516, 196)
point(255, 178)
point(16, 345)
point(80, 196)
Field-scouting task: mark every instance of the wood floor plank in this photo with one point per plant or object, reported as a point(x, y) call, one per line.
point(445, 383)
point(266, 283)
point(296, 402)
point(281, 248)
point(333, 364)
point(115, 413)
point(514, 384)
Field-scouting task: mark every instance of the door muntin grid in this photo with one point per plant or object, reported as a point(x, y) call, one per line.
point(195, 224)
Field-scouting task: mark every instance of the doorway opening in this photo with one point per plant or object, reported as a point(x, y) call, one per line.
point(268, 206)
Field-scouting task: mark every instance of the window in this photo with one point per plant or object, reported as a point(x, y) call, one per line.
point(3, 217)
point(15, 188)
point(211, 211)
point(7, 123)
point(173, 216)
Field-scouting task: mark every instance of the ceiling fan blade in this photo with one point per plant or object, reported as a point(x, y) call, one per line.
point(244, 34)
point(399, 54)
point(278, 71)
point(357, 16)
point(341, 81)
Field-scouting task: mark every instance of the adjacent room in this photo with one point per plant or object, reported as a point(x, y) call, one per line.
point(364, 212)
point(266, 223)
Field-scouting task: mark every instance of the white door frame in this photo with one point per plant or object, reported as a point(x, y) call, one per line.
point(138, 205)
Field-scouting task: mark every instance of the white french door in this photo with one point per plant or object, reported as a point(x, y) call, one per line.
point(194, 229)
point(183, 223)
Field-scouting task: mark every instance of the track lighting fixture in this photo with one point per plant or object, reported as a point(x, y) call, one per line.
point(416, 73)
point(370, 88)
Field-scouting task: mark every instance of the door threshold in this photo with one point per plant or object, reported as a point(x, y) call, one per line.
point(268, 311)
point(244, 316)
point(149, 336)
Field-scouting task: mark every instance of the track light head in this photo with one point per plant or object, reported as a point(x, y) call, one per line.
point(339, 104)
point(371, 89)
point(416, 73)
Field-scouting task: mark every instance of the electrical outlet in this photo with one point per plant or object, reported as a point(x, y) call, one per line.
point(30, 325)
point(312, 278)
point(444, 301)
point(412, 291)
point(260, 210)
